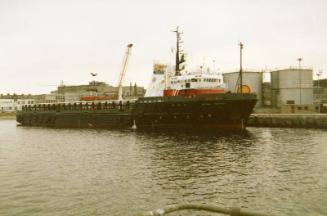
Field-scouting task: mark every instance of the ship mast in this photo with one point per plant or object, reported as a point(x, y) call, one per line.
point(180, 58)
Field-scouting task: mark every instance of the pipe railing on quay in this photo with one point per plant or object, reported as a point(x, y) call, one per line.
point(234, 211)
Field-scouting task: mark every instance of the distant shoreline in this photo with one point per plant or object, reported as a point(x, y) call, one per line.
point(11, 115)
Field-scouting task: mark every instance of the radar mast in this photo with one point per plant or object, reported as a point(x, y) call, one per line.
point(180, 56)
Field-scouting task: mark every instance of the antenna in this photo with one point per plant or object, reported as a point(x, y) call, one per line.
point(204, 62)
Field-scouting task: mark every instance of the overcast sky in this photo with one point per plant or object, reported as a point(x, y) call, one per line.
point(43, 42)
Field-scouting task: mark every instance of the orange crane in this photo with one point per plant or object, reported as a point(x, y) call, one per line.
point(123, 71)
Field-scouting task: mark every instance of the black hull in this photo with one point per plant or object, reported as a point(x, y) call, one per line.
point(201, 112)
point(208, 112)
point(76, 119)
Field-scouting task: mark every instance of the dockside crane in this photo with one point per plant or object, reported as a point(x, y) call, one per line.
point(123, 71)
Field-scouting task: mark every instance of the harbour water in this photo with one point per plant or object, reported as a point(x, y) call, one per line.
point(46, 171)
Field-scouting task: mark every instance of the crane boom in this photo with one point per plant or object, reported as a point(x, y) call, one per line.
point(123, 71)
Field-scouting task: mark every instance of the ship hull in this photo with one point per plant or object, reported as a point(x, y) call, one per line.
point(183, 112)
point(202, 112)
point(76, 119)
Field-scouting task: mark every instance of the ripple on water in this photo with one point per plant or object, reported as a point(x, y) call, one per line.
point(111, 172)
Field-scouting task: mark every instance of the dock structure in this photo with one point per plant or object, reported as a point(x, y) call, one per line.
point(288, 120)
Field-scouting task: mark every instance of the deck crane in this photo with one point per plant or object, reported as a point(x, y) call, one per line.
point(123, 71)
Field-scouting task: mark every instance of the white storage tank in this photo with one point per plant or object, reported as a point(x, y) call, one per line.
point(292, 86)
point(252, 79)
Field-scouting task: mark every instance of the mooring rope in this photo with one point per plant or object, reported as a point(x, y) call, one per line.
point(201, 207)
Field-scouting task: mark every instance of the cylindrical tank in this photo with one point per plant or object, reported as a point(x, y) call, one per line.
point(251, 79)
point(292, 86)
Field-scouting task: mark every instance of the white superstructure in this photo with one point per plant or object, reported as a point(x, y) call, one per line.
point(165, 80)
point(196, 80)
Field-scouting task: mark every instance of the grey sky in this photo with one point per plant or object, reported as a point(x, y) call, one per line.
point(43, 42)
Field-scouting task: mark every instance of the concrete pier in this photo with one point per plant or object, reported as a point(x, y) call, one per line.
point(288, 120)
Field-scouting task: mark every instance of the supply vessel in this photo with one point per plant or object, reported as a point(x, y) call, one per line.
point(175, 99)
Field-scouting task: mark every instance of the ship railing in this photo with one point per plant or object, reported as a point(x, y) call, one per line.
point(126, 105)
point(234, 211)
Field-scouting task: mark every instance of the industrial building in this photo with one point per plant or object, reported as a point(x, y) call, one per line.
point(12, 105)
point(320, 94)
point(252, 79)
point(72, 93)
point(292, 90)
point(65, 93)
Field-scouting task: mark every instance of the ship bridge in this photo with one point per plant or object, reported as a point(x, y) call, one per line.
point(196, 80)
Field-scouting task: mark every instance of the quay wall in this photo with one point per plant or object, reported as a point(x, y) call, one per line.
point(288, 120)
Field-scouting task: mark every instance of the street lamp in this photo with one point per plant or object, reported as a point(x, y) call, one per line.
point(241, 69)
point(300, 81)
point(318, 75)
point(299, 59)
